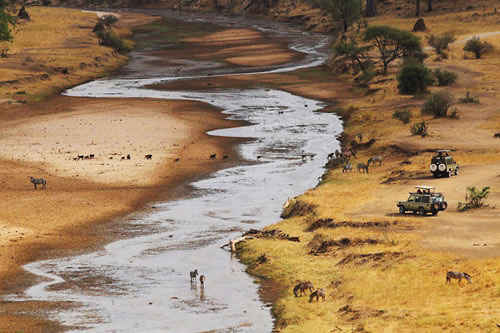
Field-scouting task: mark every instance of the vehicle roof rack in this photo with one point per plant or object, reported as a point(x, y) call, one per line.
point(443, 151)
point(423, 187)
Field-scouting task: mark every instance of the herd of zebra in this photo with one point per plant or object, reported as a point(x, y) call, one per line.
point(301, 288)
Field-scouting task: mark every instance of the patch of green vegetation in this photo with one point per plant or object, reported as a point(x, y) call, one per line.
point(314, 73)
point(165, 32)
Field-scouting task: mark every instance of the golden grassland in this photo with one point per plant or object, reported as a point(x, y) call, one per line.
point(55, 39)
point(403, 289)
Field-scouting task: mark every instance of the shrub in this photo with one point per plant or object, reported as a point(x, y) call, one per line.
point(365, 78)
point(445, 78)
point(108, 19)
point(474, 198)
point(404, 115)
point(478, 47)
point(110, 38)
point(469, 99)
point(420, 129)
point(440, 42)
point(414, 78)
point(438, 104)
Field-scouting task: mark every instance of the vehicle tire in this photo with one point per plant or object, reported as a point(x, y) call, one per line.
point(434, 167)
point(443, 205)
point(421, 211)
point(402, 210)
point(434, 212)
point(435, 206)
point(435, 175)
point(456, 172)
point(442, 167)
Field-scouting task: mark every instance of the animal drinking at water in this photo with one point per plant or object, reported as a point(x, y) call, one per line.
point(193, 275)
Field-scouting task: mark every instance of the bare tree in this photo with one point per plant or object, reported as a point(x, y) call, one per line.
point(429, 5)
point(417, 13)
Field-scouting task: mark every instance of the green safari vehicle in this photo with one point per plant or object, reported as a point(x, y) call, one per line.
point(424, 200)
point(443, 164)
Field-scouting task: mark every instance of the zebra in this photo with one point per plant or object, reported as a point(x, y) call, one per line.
point(347, 167)
point(193, 275)
point(374, 160)
point(317, 293)
point(362, 166)
point(38, 181)
point(302, 287)
point(458, 276)
point(202, 280)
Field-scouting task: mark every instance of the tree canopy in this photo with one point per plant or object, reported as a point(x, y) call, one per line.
point(345, 12)
point(6, 21)
point(392, 43)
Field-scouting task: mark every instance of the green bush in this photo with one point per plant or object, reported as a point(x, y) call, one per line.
point(420, 129)
point(404, 115)
point(414, 78)
point(445, 78)
point(469, 99)
point(478, 47)
point(109, 19)
point(110, 38)
point(440, 42)
point(438, 104)
point(474, 198)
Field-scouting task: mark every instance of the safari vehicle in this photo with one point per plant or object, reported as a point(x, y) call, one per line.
point(423, 201)
point(443, 165)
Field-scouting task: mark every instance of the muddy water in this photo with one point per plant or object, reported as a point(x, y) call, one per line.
point(142, 284)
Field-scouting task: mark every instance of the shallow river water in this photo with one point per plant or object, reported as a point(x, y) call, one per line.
point(142, 284)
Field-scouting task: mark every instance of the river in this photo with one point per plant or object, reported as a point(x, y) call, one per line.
point(142, 284)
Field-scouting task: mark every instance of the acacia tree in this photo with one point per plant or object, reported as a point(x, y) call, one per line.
point(392, 43)
point(6, 21)
point(346, 12)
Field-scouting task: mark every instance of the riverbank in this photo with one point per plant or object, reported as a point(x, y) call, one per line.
point(382, 271)
point(45, 138)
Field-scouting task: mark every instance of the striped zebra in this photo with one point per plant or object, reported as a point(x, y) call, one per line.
point(317, 293)
point(193, 275)
point(458, 276)
point(302, 287)
point(38, 181)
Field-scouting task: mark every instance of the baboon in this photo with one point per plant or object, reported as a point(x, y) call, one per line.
point(128, 157)
point(91, 156)
point(330, 156)
point(202, 280)
point(177, 160)
point(213, 156)
point(347, 167)
point(148, 156)
point(225, 157)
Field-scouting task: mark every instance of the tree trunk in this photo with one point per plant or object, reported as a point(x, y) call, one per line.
point(371, 9)
point(429, 5)
point(417, 14)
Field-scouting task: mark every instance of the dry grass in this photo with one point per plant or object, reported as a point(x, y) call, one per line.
point(404, 290)
point(53, 40)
